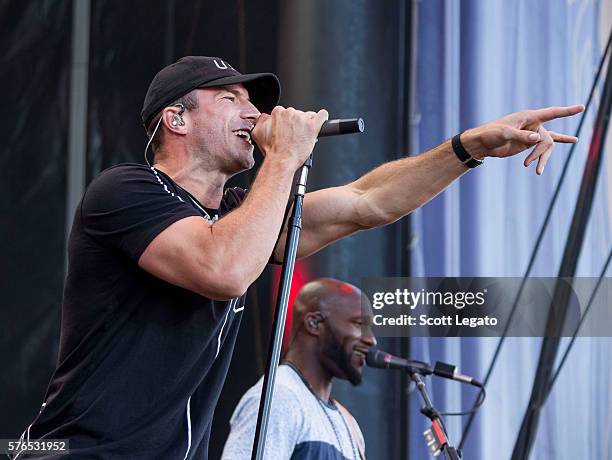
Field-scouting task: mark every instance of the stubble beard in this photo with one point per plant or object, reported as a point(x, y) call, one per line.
point(333, 349)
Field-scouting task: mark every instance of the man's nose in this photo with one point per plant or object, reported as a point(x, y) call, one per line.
point(368, 338)
point(249, 111)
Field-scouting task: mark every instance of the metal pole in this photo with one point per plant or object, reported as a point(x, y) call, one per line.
point(77, 130)
point(280, 314)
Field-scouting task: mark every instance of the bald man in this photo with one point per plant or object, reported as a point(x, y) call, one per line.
point(329, 339)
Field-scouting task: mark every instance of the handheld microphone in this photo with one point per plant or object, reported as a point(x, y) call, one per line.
point(383, 360)
point(344, 126)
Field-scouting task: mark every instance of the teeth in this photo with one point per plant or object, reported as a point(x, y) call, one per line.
point(244, 134)
point(361, 351)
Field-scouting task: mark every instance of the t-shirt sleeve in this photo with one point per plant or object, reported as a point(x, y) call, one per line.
point(127, 206)
point(285, 423)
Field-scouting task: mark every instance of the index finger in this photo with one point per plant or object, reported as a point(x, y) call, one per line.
point(551, 113)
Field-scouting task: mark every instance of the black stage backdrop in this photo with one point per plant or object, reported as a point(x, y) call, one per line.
point(349, 56)
point(34, 76)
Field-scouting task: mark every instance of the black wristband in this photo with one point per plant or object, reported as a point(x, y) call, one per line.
point(462, 154)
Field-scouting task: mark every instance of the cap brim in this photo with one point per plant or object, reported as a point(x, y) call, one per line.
point(264, 88)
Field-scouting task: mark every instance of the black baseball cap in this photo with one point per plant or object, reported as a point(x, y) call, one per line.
point(191, 72)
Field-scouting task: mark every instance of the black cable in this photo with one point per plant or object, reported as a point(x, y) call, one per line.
point(482, 395)
point(553, 200)
point(586, 311)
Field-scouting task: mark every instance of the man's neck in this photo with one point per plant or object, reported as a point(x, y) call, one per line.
point(205, 185)
point(318, 378)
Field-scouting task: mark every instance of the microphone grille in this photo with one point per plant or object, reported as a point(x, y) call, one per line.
point(376, 358)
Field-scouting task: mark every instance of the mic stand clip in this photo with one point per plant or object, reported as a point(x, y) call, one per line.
point(436, 436)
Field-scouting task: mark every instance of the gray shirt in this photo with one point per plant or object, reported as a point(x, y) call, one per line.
point(301, 426)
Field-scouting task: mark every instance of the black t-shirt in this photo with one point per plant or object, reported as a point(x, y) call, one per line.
point(141, 362)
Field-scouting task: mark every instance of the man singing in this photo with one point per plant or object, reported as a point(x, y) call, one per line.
point(330, 337)
point(160, 257)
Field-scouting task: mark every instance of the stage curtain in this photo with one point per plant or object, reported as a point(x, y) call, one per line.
point(478, 60)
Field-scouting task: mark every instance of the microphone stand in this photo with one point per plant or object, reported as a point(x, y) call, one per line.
point(280, 313)
point(329, 128)
point(436, 436)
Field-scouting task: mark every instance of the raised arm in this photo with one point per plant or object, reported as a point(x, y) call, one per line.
point(221, 260)
point(394, 189)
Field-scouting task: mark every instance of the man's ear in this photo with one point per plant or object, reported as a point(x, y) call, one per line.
point(174, 120)
point(311, 323)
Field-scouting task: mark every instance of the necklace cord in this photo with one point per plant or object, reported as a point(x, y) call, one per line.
point(322, 406)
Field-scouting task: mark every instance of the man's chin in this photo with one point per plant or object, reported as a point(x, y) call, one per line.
point(248, 160)
point(353, 375)
point(355, 379)
point(242, 164)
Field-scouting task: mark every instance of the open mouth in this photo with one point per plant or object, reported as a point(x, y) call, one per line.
point(361, 352)
point(244, 134)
